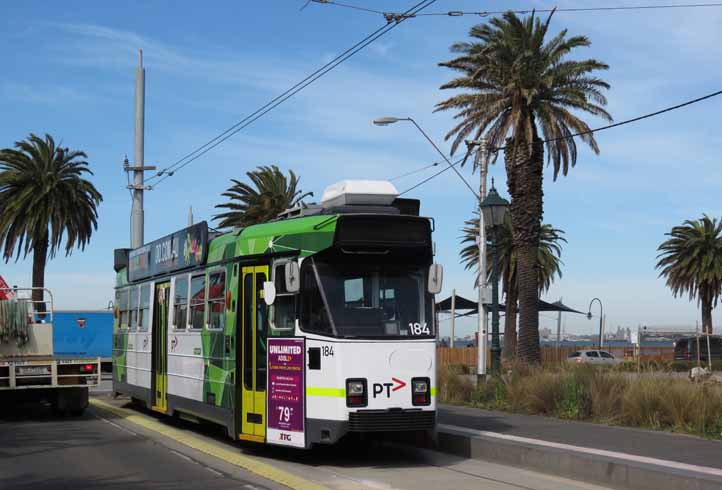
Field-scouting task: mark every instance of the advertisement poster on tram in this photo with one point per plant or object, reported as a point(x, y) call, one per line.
point(285, 416)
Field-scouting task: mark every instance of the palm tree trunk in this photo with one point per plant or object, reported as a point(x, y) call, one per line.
point(510, 324)
point(524, 167)
point(40, 258)
point(706, 312)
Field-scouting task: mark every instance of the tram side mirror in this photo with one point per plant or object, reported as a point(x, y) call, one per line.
point(292, 273)
point(436, 278)
point(269, 292)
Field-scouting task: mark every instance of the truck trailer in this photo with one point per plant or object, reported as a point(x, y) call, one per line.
point(30, 371)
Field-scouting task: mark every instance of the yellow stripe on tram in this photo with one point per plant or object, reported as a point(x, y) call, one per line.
point(331, 392)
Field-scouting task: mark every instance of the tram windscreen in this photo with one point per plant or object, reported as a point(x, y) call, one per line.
point(366, 300)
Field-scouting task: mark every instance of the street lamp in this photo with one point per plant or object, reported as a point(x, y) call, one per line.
point(482, 157)
point(494, 207)
point(601, 316)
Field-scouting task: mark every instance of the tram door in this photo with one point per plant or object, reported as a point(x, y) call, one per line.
point(160, 343)
point(253, 328)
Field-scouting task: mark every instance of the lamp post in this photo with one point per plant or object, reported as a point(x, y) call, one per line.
point(494, 207)
point(482, 161)
point(601, 316)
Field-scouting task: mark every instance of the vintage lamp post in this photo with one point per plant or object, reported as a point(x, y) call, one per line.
point(494, 209)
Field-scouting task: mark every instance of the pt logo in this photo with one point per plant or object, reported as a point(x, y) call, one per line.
point(379, 388)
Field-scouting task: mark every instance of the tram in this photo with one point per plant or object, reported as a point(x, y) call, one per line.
point(293, 332)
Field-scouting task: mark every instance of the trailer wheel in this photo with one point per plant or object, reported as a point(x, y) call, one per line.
point(70, 401)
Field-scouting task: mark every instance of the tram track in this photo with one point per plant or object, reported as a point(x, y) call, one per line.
point(351, 465)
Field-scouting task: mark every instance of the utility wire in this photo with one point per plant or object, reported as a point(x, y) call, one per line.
point(433, 176)
point(412, 172)
point(275, 102)
point(396, 17)
point(602, 128)
point(628, 121)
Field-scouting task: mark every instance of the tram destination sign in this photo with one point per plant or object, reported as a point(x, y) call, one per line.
point(285, 416)
point(181, 250)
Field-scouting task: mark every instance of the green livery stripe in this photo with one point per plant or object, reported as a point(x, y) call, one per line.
point(332, 392)
point(433, 391)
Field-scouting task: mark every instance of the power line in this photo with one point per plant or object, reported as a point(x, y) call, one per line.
point(275, 102)
point(602, 128)
point(396, 17)
point(628, 121)
point(412, 172)
point(433, 176)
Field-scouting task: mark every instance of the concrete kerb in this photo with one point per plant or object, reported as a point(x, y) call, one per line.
point(617, 470)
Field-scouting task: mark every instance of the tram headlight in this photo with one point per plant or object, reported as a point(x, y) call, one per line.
point(420, 391)
point(356, 394)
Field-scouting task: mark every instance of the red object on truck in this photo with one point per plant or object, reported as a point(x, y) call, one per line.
point(5, 291)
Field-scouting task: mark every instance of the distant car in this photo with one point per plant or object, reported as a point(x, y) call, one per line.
point(597, 357)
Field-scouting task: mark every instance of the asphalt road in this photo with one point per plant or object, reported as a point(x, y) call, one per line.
point(40, 451)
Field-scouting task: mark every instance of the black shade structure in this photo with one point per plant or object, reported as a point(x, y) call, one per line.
point(462, 303)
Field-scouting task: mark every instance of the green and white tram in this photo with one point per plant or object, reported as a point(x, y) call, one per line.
point(292, 332)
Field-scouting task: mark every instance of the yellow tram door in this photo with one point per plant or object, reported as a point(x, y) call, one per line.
point(160, 343)
point(253, 332)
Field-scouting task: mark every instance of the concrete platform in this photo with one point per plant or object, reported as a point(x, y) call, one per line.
point(624, 458)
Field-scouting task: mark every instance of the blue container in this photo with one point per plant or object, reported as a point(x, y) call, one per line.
point(83, 333)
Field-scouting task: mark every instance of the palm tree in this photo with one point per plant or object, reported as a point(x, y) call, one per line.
point(273, 194)
point(515, 87)
point(44, 200)
point(549, 256)
point(691, 260)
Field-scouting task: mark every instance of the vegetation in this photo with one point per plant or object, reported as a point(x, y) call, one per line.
point(269, 194)
point(550, 250)
point(595, 394)
point(691, 261)
point(45, 200)
point(516, 84)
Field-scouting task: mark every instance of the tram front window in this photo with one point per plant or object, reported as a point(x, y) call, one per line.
point(366, 300)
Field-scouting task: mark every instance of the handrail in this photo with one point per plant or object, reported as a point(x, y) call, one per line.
point(37, 314)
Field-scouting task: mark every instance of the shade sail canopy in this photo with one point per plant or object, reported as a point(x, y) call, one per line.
point(467, 304)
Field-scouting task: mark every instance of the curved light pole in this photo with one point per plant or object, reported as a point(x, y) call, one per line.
point(601, 316)
point(481, 281)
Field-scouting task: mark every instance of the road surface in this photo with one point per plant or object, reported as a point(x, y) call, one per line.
point(105, 450)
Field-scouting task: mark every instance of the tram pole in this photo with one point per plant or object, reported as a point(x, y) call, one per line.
point(137, 218)
point(482, 160)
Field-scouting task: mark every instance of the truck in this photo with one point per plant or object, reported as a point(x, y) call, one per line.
point(30, 370)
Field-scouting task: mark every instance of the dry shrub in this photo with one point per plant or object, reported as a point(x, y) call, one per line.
point(453, 387)
point(606, 393)
point(642, 402)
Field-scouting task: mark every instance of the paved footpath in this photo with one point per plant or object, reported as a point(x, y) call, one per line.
point(638, 442)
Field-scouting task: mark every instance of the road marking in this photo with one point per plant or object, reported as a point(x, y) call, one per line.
point(253, 465)
point(215, 472)
point(183, 456)
point(587, 450)
point(120, 427)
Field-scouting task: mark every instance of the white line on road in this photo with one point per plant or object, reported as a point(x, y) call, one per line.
point(587, 450)
point(115, 425)
point(183, 456)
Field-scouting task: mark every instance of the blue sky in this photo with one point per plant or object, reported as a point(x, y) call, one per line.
point(69, 69)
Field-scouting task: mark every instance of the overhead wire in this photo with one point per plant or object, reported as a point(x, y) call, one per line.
point(412, 172)
point(393, 16)
point(278, 100)
point(582, 133)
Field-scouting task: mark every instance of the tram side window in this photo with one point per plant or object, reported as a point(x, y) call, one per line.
point(217, 300)
point(283, 314)
point(314, 315)
point(198, 301)
point(180, 303)
point(144, 312)
point(133, 308)
point(123, 308)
